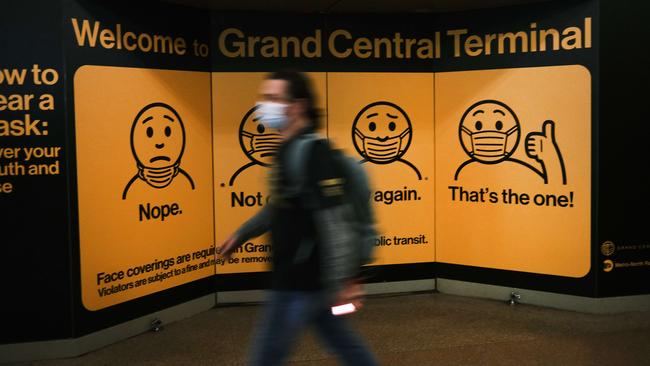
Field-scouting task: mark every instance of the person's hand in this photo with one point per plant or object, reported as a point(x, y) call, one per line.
point(227, 247)
point(352, 292)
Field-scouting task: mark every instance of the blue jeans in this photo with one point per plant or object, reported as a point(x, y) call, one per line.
point(287, 313)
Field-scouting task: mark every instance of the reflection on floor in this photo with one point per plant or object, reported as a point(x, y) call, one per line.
point(408, 329)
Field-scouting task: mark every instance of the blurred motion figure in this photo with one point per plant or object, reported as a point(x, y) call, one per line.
point(313, 264)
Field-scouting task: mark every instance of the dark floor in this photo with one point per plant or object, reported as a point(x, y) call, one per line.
point(415, 329)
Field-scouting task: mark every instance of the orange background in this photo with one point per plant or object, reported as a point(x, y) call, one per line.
point(349, 93)
point(530, 238)
point(112, 238)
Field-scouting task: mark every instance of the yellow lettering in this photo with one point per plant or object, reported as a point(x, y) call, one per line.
point(286, 41)
point(238, 44)
point(252, 41)
point(128, 46)
point(456, 33)
point(331, 43)
point(544, 33)
point(473, 45)
point(588, 32)
point(315, 41)
point(85, 32)
point(512, 40)
point(363, 48)
point(107, 38)
point(162, 44)
point(571, 38)
point(141, 44)
point(270, 47)
point(387, 44)
point(425, 49)
point(179, 46)
point(487, 47)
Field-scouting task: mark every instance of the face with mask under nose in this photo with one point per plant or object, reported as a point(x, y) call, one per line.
point(489, 131)
point(381, 132)
point(259, 141)
point(157, 143)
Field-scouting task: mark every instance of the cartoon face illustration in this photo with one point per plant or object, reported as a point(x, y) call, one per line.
point(157, 136)
point(381, 132)
point(259, 142)
point(157, 143)
point(489, 131)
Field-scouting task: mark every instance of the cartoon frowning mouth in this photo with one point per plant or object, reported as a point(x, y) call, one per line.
point(156, 158)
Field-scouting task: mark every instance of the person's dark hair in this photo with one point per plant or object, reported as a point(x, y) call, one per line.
point(299, 87)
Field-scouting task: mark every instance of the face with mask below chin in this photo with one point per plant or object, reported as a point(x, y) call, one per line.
point(382, 132)
point(489, 131)
point(157, 141)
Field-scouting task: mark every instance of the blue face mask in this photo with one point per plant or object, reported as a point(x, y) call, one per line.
point(272, 114)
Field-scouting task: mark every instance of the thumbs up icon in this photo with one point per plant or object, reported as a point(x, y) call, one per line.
point(543, 147)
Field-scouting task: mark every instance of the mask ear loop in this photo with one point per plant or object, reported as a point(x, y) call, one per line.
point(177, 166)
point(358, 133)
point(469, 133)
point(401, 138)
point(466, 130)
point(363, 140)
point(252, 137)
point(512, 130)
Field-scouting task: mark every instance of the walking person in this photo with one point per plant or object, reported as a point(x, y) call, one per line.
point(311, 268)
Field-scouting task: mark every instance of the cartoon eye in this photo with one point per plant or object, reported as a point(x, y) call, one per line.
point(372, 126)
point(149, 132)
point(499, 125)
point(168, 131)
point(391, 126)
point(478, 125)
point(260, 128)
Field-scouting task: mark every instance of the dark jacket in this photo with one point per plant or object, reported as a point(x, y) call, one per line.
point(306, 218)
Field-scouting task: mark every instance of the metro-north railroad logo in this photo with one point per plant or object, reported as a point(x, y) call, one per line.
point(382, 134)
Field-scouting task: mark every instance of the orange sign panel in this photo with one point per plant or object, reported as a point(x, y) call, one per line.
point(513, 169)
point(386, 121)
point(144, 181)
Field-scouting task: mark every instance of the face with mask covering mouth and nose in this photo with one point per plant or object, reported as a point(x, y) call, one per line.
point(258, 140)
point(489, 131)
point(381, 132)
point(157, 143)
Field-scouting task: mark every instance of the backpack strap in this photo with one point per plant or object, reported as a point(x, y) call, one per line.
point(296, 169)
point(296, 165)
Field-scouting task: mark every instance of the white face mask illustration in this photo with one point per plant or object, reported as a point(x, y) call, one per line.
point(158, 177)
point(489, 131)
point(382, 132)
point(263, 144)
point(383, 150)
point(489, 144)
point(272, 114)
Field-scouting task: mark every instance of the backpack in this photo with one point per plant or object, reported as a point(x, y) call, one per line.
point(356, 191)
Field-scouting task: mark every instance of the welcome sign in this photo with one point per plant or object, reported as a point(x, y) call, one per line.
point(476, 137)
